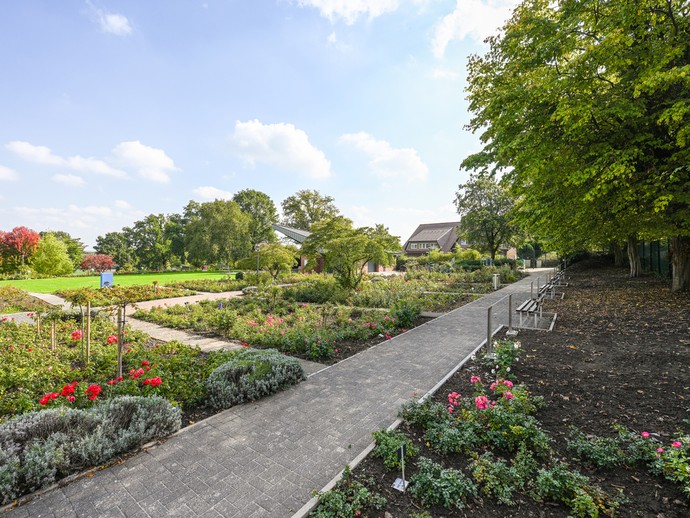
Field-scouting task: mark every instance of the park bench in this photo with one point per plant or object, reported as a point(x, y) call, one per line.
point(531, 308)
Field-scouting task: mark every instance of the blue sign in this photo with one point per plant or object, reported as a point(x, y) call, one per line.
point(106, 279)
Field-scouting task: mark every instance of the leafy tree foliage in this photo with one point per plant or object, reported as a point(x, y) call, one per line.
point(97, 262)
point(486, 214)
point(18, 245)
point(75, 248)
point(346, 250)
point(151, 245)
point(584, 104)
point(51, 257)
point(276, 258)
point(262, 211)
point(116, 245)
point(218, 232)
point(306, 207)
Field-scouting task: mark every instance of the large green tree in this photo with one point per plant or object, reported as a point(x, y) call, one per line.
point(148, 239)
point(584, 104)
point(52, 258)
point(218, 231)
point(116, 245)
point(306, 207)
point(75, 248)
point(260, 207)
point(486, 214)
point(346, 250)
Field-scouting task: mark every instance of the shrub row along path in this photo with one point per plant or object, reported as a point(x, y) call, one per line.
point(265, 458)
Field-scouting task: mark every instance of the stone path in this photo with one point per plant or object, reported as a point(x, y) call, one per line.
point(265, 458)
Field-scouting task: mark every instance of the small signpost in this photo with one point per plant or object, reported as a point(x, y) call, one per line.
point(400, 483)
point(106, 279)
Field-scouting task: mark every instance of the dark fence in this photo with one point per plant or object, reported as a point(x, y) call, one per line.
point(655, 258)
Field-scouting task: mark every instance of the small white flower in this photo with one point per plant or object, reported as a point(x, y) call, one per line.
point(507, 369)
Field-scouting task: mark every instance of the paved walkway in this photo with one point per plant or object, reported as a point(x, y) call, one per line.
point(264, 458)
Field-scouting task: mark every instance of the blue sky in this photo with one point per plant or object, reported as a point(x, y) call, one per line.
point(113, 110)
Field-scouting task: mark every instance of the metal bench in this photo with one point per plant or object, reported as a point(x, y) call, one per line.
point(531, 307)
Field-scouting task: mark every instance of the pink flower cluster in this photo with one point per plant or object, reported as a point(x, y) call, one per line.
point(475, 380)
point(481, 402)
point(454, 400)
point(76, 335)
point(498, 383)
point(112, 339)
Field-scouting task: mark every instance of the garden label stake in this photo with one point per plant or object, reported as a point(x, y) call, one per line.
point(400, 484)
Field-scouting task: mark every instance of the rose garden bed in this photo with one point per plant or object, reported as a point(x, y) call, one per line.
point(590, 405)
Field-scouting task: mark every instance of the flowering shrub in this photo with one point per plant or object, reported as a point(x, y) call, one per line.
point(305, 329)
point(506, 353)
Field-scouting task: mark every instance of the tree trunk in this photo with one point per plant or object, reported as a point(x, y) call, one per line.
point(618, 254)
point(680, 260)
point(634, 257)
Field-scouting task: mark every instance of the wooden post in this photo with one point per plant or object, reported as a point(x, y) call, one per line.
point(38, 324)
point(489, 334)
point(120, 338)
point(88, 330)
point(52, 336)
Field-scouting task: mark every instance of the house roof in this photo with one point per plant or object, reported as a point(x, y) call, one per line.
point(442, 233)
point(296, 234)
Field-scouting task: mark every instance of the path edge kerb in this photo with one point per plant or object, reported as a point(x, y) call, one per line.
point(314, 501)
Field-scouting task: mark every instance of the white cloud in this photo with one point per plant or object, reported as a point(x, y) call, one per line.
point(69, 179)
point(350, 10)
point(8, 174)
point(122, 204)
point(112, 23)
point(477, 19)
point(151, 163)
point(444, 73)
point(94, 210)
point(38, 154)
point(280, 145)
point(43, 155)
point(212, 193)
point(386, 161)
point(332, 38)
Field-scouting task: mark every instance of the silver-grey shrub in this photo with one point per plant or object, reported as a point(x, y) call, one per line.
point(250, 375)
point(39, 448)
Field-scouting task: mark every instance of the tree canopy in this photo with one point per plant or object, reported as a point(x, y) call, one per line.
point(262, 211)
point(584, 105)
point(218, 232)
point(486, 214)
point(51, 257)
point(306, 207)
point(346, 250)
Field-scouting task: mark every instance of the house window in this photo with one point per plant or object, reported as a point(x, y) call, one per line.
point(413, 246)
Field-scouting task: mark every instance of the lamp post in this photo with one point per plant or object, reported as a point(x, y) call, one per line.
point(257, 248)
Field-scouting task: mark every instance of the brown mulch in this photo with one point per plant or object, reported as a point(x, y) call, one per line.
point(619, 353)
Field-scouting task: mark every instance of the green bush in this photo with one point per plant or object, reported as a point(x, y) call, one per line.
point(39, 448)
point(405, 312)
point(388, 444)
point(434, 485)
point(559, 483)
point(250, 375)
point(495, 477)
point(347, 499)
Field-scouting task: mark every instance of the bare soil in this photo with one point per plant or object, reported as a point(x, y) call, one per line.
point(619, 353)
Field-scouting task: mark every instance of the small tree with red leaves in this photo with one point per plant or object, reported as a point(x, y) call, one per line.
point(98, 262)
point(21, 241)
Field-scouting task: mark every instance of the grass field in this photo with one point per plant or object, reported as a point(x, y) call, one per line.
point(131, 279)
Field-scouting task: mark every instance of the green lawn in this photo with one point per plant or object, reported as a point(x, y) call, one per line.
point(71, 283)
